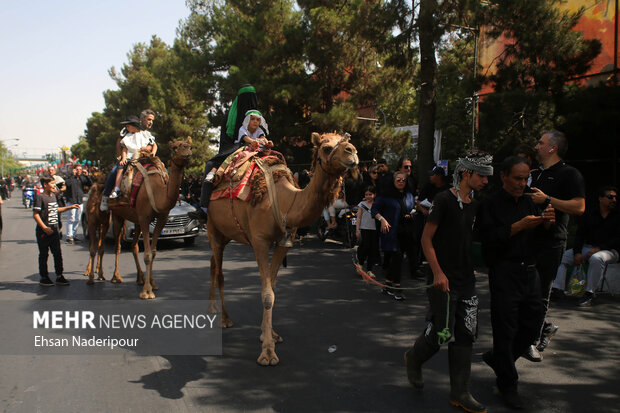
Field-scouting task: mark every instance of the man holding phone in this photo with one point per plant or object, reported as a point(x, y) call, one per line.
point(563, 187)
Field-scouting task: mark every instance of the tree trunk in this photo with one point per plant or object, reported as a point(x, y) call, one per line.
point(428, 88)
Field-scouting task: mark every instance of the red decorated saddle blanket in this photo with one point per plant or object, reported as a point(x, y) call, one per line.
point(237, 173)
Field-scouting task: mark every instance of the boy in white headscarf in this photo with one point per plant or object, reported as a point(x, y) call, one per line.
point(253, 129)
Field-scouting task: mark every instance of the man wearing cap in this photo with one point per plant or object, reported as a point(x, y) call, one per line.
point(133, 141)
point(453, 304)
point(436, 184)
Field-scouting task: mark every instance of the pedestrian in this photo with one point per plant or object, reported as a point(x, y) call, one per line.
point(366, 231)
point(507, 222)
point(597, 243)
point(389, 209)
point(453, 304)
point(562, 186)
point(46, 212)
point(74, 194)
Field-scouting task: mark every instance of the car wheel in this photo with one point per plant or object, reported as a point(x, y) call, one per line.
point(189, 241)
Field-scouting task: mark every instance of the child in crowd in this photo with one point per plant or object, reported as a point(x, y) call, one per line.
point(133, 142)
point(366, 232)
point(46, 214)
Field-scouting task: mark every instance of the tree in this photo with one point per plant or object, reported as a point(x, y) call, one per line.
point(542, 53)
point(157, 77)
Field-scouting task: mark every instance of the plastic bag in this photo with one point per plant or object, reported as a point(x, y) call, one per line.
point(577, 283)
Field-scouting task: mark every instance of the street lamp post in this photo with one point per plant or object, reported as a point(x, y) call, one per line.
point(7, 149)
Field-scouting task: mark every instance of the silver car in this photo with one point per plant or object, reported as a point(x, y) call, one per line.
point(179, 226)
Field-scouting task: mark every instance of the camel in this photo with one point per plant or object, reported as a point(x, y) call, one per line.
point(98, 225)
point(256, 226)
point(165, 197)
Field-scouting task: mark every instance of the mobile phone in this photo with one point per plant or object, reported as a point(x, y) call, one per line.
point(544, 205)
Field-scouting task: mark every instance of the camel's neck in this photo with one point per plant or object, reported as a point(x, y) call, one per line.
point(175, 174)
point(310, 202)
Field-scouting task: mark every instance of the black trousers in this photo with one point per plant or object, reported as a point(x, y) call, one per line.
point(517, 313)
point(48, 243)
point(461, 316)
point(547, 263)
point(369, 248)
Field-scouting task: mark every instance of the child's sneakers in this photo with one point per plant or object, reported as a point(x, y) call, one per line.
point(114, 195)
point(61, 280)
point(46, 282)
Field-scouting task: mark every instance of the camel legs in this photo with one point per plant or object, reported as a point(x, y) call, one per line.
point(96, 248)
point(103, 230)
point(268, 355)
point(150, 250)
point(117, 225)
point(218, 242)
point(135, 250)
point(276, 260)
point(93, 251)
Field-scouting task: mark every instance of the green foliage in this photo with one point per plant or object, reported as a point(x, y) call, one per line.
point(157, 77)
point(7, 161)
point(542, 54)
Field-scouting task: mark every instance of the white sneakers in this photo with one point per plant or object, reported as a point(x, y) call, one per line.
point(104, 204)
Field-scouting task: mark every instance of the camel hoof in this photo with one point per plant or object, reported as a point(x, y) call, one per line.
point(147, 296)
point(116, 280)
point(154, 287)
point(227, 323)
point(277, 338)
point(263, 360)
point(101, 278)
point(90, 282)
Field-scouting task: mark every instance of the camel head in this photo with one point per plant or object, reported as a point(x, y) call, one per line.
point(333, 153)
point(180, 151)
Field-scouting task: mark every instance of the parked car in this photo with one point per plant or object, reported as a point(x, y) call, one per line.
point(179, 226)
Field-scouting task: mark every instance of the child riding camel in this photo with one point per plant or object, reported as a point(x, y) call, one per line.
point(252, 132)
point(135, 141)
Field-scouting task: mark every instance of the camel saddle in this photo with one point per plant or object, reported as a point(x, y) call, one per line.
point(233, 178)
point(138, 171)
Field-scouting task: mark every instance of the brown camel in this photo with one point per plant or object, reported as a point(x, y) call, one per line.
point(98, 225)
point(254, 224)
point(164, 197)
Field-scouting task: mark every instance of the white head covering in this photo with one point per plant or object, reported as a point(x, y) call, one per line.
point(254, 112)
point(473, 161)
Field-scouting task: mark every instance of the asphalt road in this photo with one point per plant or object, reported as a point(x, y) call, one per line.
point(320, 302)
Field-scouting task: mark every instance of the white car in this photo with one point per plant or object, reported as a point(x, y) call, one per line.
point(179, 226)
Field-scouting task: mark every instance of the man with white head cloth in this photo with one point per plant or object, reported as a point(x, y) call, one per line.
point(453, 313)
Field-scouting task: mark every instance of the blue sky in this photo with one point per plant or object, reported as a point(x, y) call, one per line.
point(55, 57)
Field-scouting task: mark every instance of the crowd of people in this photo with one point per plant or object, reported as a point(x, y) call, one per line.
point(522, 224)
point(521, 221)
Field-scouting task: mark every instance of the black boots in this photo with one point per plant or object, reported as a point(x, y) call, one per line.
point(415, 357)
point(205, 196)
point(459, 358)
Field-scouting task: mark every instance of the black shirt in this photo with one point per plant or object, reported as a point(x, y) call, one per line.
point(47, 208)
point(497, 214)
point(598, 231)
point(429, 191)
point(453, 239)
point(563, 182)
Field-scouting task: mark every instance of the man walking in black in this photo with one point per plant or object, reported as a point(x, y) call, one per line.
point(447, 241)
point(562, 186)
point(507, 221)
